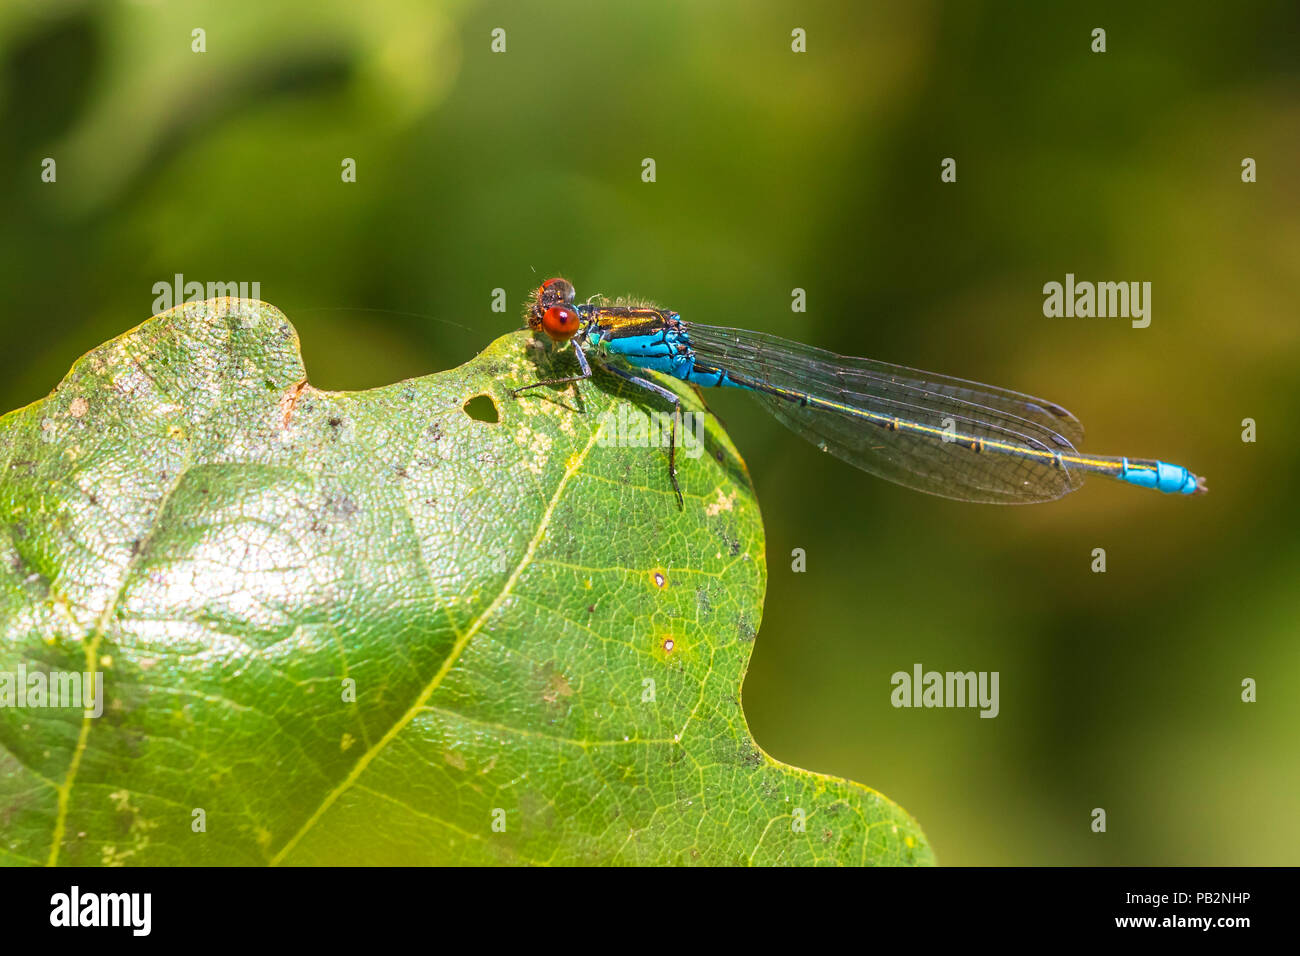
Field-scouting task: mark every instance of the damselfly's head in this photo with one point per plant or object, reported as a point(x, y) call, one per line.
point(551, 310)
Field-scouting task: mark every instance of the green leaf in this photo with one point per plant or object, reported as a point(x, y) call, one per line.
point(539, 639)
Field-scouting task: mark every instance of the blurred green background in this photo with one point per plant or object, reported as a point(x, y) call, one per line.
point(778, 170)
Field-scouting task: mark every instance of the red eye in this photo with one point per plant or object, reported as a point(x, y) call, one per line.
point(560, 323)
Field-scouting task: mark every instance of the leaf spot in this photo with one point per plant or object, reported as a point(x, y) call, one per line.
point(557, 686)
point(723, 503)
point(341, 506)
point(289, 402)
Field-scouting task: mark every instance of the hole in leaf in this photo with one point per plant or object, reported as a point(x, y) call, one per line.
point(481, 408)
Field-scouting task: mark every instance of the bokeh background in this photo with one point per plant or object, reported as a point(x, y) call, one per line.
point(778, 170)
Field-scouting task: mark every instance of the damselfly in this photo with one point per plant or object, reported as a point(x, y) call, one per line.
point(945, 436)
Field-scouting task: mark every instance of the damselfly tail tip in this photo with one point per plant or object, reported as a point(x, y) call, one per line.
point(1201, 487)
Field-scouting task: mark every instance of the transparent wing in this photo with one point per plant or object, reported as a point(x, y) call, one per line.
point(942, 435)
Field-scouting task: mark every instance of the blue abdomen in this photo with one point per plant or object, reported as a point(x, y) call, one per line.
point(1160, 475)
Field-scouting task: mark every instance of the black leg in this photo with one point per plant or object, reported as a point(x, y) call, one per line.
point(676, 403)
point(582, 364)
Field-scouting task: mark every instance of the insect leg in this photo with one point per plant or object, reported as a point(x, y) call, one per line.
point(676, 403)
point(582, 364)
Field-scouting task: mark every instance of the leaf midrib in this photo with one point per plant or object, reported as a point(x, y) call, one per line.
point(462, 641)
